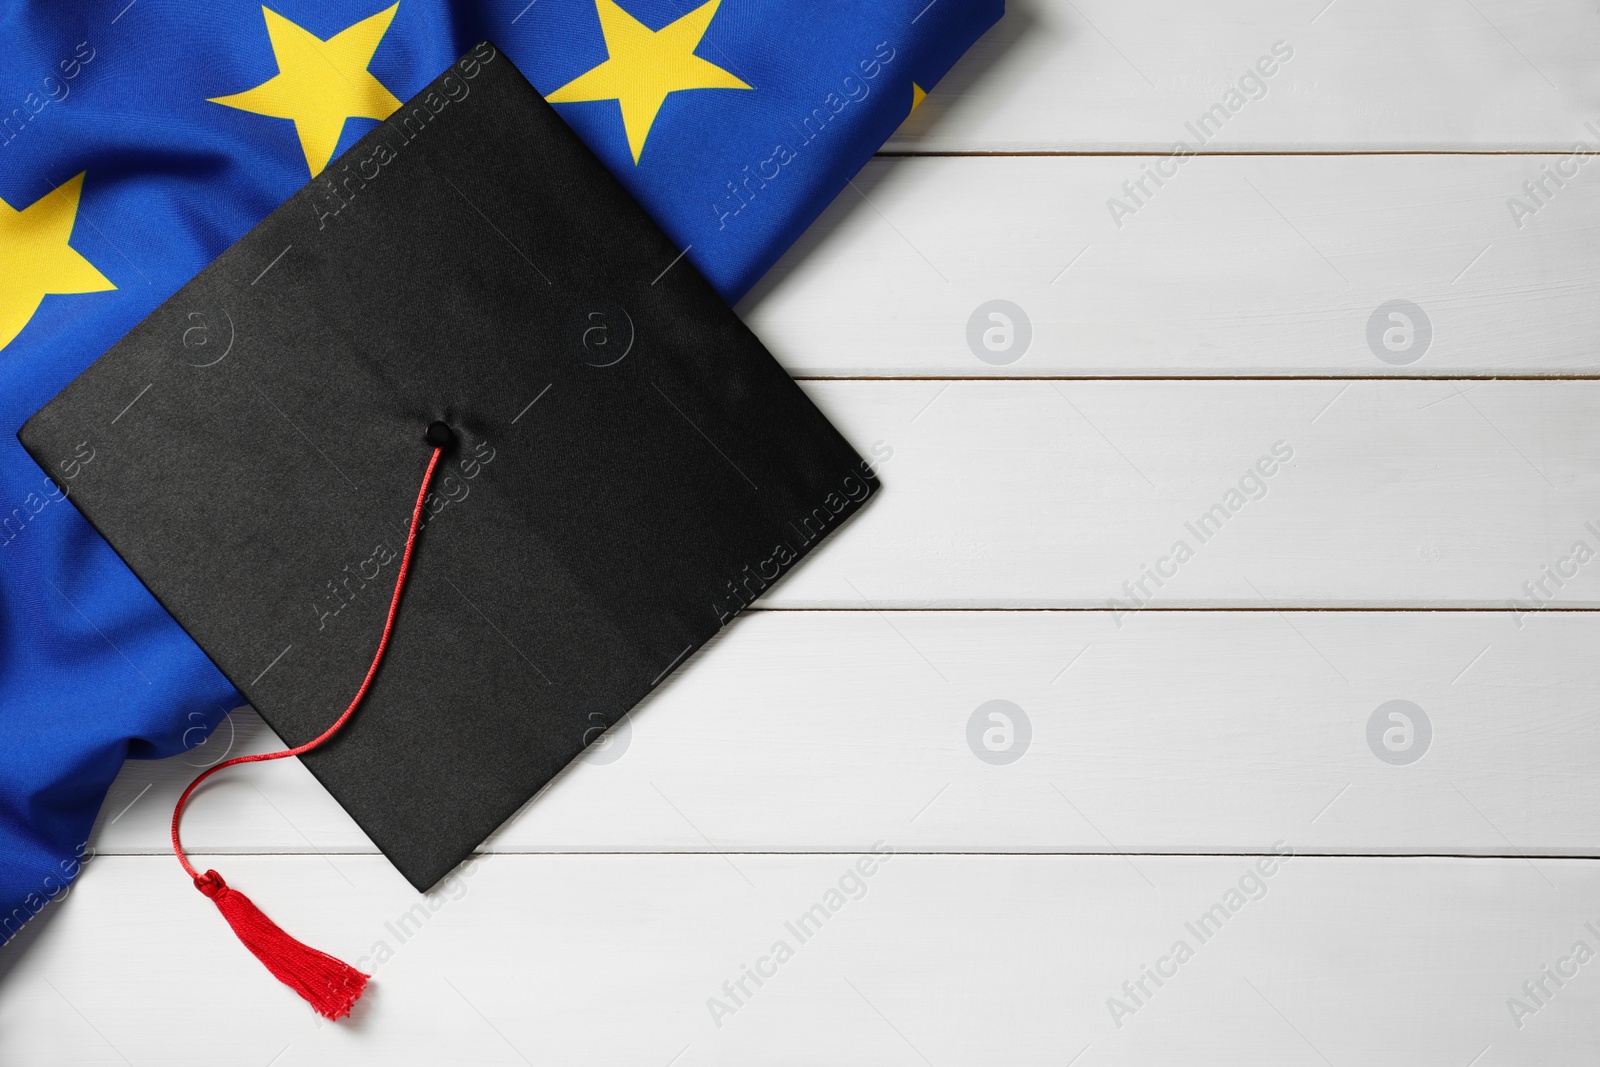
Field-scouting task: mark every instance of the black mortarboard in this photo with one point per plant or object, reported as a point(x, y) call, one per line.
point(630, 467)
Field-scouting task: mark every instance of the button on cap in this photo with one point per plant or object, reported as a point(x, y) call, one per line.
point(439, 435)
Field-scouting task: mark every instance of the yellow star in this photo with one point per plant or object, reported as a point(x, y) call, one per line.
point(320, 83)
point(36, 260)
point(644, 65)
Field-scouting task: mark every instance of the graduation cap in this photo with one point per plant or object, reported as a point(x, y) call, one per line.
point(462, 363)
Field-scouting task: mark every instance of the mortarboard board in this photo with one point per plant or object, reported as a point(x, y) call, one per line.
point(627, 466)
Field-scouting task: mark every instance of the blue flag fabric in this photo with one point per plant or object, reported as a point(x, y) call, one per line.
point(138, 140)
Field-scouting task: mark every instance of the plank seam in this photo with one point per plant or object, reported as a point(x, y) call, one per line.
point(1203, 610)
point(1552, 376)
point(1053, 153)
point(1520, 857)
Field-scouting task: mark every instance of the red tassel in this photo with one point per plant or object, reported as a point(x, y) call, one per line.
point(330, 985)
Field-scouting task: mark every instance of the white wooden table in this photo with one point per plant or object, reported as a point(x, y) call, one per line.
point(1425, 472)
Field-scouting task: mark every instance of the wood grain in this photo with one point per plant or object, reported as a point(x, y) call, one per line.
point(946, 960)
point(1047, 494)
point(1233, 266)
point(1183, 732)
point(1365, 75)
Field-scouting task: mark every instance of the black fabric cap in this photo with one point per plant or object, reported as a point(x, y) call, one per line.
point(629, 466)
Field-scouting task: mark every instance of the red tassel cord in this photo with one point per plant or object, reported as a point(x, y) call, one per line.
point(330, 985)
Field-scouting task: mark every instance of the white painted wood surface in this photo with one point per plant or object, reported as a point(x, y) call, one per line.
point(946, 960)
point(1053, 494)
point(805, 731)
point(1237, 265)
point(1366, 75)
point(1166, 754)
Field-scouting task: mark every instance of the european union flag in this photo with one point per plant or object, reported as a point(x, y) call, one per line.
point(141, 138)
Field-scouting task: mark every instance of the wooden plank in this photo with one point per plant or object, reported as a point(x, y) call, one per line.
point(1233, 266)
point(1048, 494)
point(1181, 732)
point(1126, 75)
point(942, 960)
